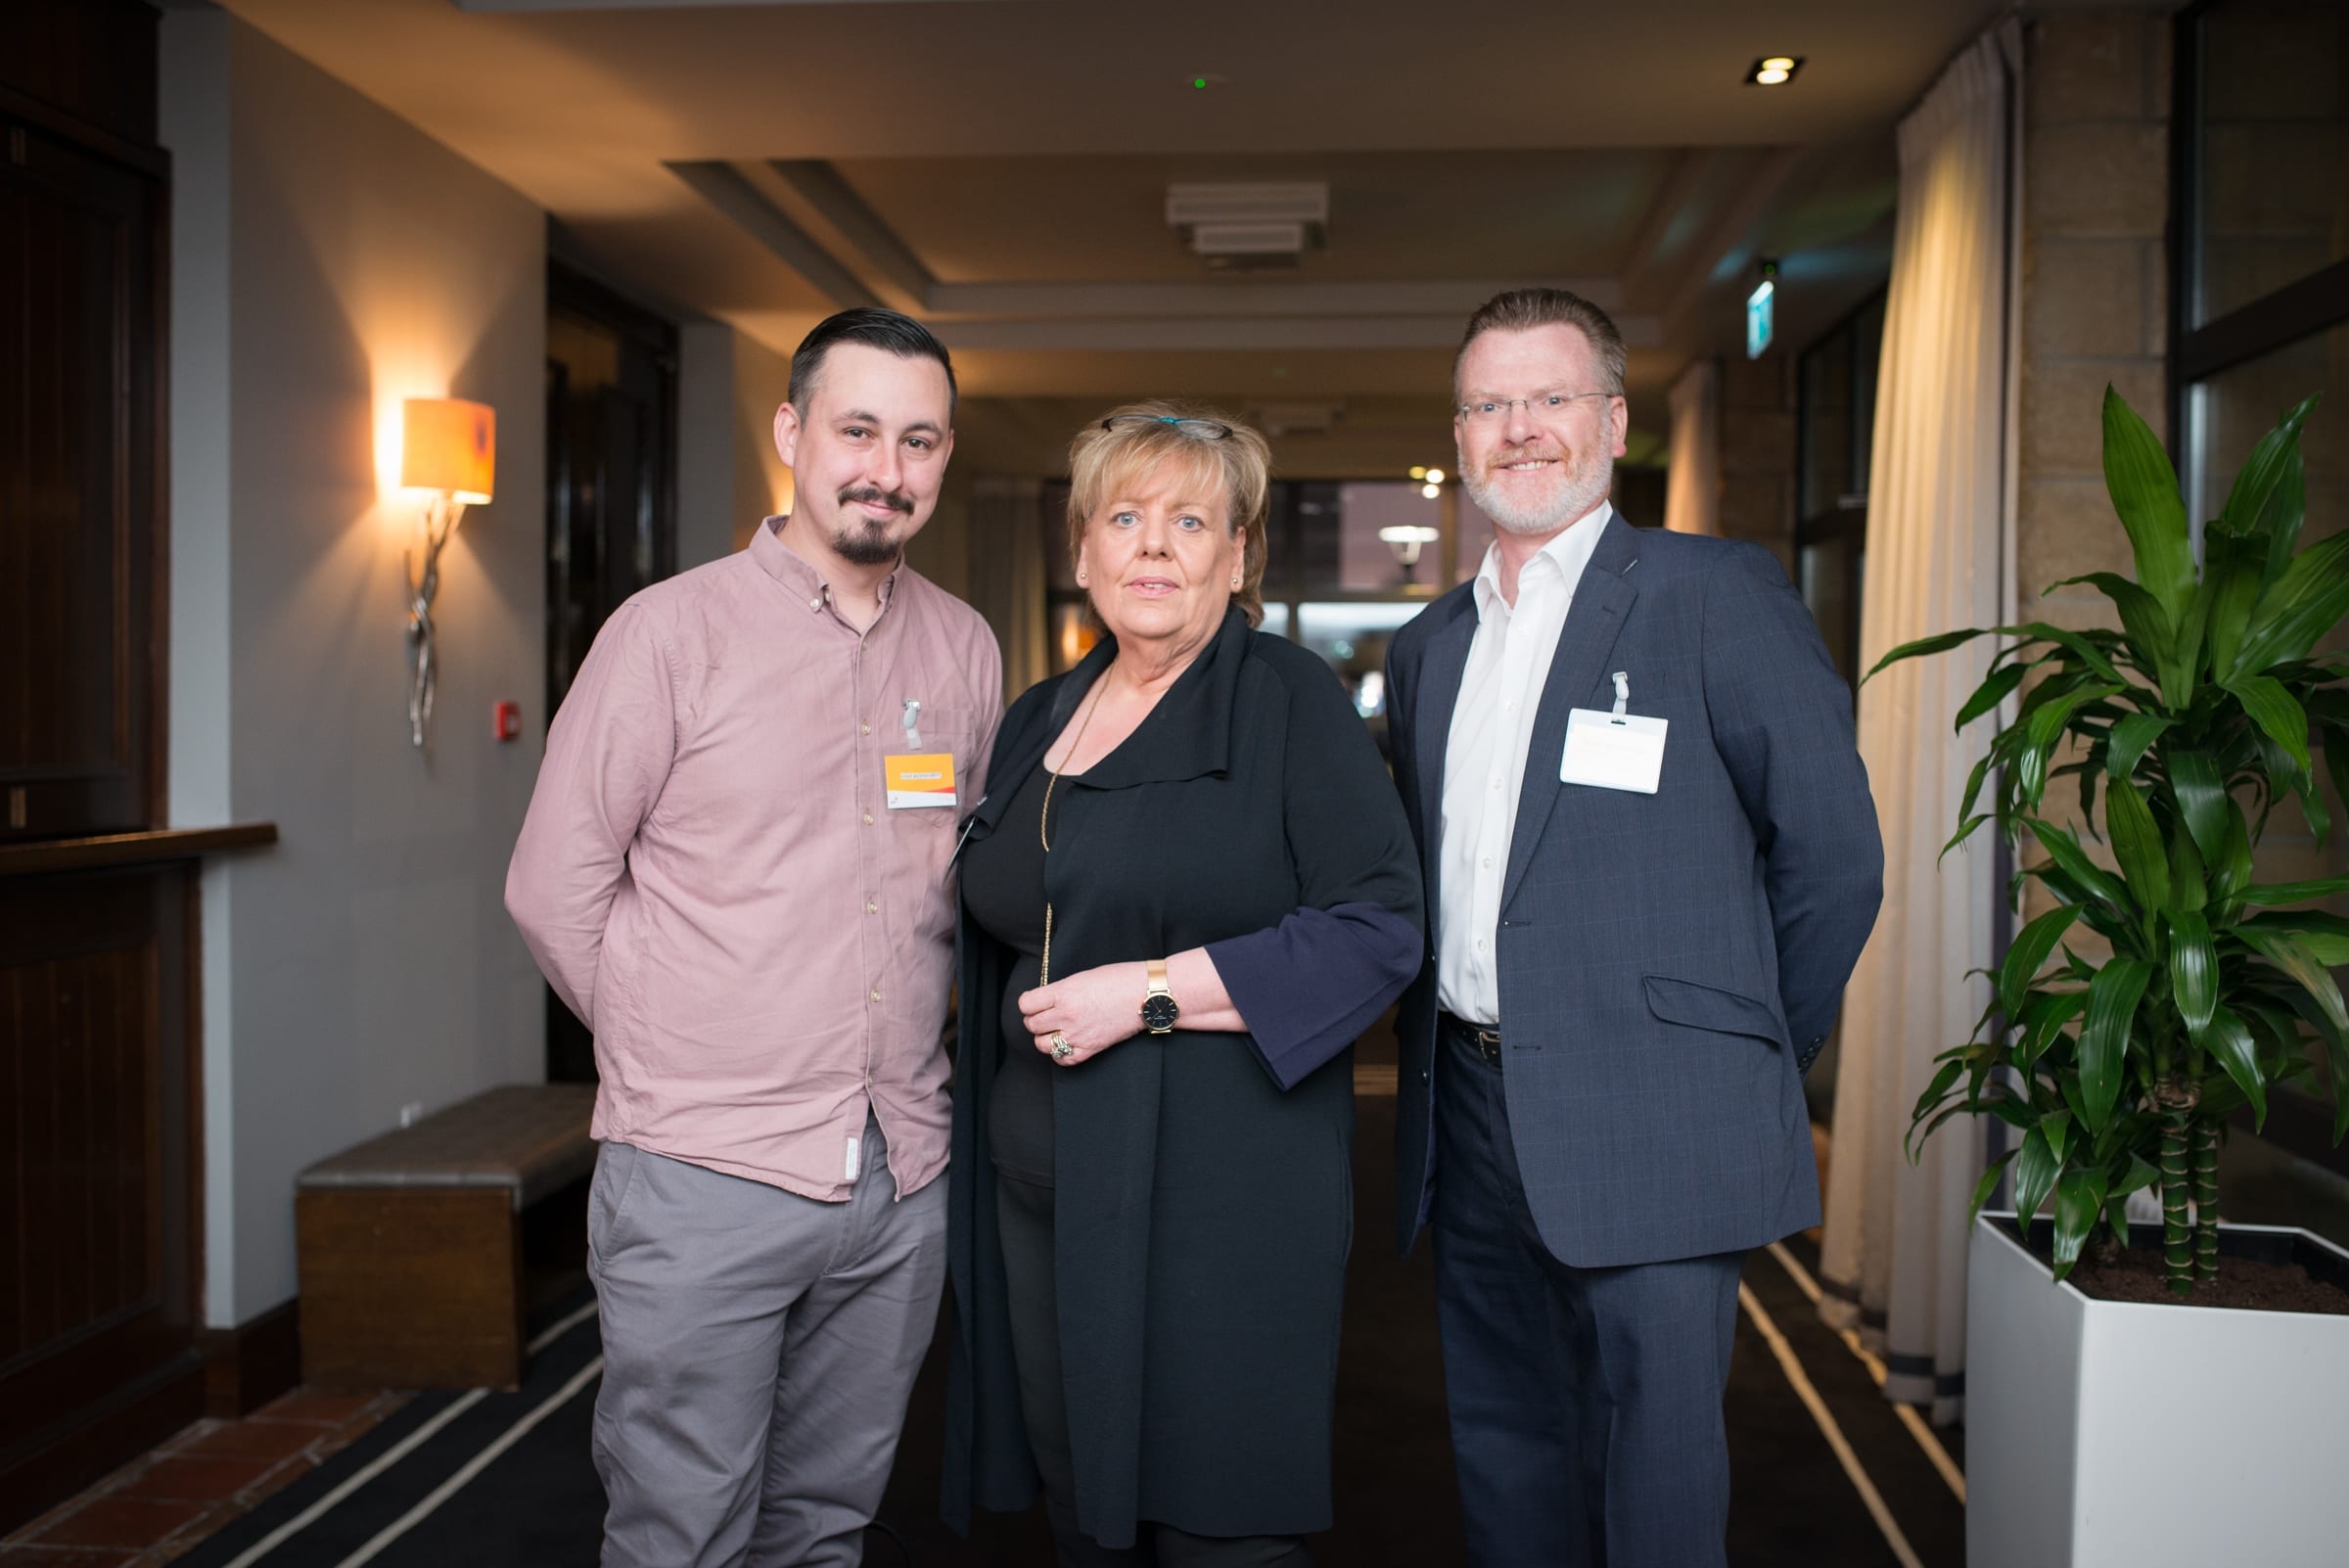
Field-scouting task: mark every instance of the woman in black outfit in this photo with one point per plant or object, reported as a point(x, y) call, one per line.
point(1190, 886)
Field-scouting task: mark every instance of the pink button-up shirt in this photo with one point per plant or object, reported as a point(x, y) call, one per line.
point(711, 875)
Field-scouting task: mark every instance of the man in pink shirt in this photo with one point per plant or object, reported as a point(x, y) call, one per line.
point(737, 870)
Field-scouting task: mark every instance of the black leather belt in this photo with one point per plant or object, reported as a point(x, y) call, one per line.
point(1482, 1038)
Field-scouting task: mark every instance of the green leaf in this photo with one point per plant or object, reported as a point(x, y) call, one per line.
point(2130, 738)
point(2321, 933)
point(2079, 1199)
point(1965, 830)
point(2145, 492)
point(1925, 647)
point(2274, 892)
point(2146, 622)
point(2298, 607)
point(1987, 1184)
point(2233, 571)
point(2313, 810)
point(1991, 692)
point(2112, 999)
point(2034, 1175)
point(2275, 711)
point(2201, 795)
point(2186, 873)
point(2074, 862)
point(2193, 969)
point(2137, 845)
point(2229, 1042)
point(2045, 1016)
point(2291, 955)
point(2027, 953)
point(2141, 1174)
point(2260, 502)
point(2231, 871)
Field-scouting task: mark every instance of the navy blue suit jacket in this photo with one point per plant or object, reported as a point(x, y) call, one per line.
point(1667, 962)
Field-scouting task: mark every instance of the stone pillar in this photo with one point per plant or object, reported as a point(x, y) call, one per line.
point(1757, 451)
point(2095, 286)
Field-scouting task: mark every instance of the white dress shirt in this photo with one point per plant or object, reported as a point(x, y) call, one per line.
point(1485, 757)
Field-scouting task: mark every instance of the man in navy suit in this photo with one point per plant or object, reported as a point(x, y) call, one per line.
point(1651, 861)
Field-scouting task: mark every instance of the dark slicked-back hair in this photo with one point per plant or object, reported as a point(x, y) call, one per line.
point(875, 328)
point(1523, 309)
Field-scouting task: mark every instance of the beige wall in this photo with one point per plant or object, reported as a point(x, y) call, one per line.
point(328, 261)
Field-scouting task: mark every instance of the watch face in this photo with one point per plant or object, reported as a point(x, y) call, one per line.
point(1159, 1013)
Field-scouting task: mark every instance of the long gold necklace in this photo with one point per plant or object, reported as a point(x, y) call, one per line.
point(1044, 819)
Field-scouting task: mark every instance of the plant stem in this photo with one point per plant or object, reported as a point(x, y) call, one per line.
point(2175, 1098)
point(2206, 1197)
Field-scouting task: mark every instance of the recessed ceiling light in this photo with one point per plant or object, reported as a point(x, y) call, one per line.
point(1771, 70)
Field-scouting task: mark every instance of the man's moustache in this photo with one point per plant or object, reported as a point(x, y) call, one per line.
point(892, 499)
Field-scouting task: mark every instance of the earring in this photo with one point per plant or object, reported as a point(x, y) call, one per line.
point(1235, 584)
point(1081, 579)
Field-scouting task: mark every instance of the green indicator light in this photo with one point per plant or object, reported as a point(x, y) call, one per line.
point(1199, 81)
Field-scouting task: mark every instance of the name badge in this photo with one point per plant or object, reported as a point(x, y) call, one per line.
point(916, 781)
point(1613, 751)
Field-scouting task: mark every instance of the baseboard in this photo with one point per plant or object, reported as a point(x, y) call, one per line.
point(55, 1465)
point(247, 1367)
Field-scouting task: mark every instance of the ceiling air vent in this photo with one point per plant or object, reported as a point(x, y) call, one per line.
point(1252, 225)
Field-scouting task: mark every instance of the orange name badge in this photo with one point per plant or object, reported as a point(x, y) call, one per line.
point(917, 780)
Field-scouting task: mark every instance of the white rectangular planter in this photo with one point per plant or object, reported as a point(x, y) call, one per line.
point(2118, 1435)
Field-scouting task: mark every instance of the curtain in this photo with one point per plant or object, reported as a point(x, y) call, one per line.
point(1692, 481)
point(1893, 1264)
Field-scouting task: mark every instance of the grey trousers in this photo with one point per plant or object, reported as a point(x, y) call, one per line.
point(759, 1350)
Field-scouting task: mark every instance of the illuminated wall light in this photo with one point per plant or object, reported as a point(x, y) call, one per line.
point(1419, 471)
point(1435, 475)
point(1431, 491)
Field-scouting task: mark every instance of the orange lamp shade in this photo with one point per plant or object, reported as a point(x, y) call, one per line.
point(448, 444)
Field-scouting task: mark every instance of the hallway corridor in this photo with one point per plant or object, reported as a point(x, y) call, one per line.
point(503, 1480)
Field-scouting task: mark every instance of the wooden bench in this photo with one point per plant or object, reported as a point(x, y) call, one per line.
point(413, 1246)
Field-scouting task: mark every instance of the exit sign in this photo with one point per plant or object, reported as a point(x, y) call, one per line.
point(1761, 318)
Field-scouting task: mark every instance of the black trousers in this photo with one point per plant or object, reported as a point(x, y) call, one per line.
point(1023, 1213)
point(1586, 1402)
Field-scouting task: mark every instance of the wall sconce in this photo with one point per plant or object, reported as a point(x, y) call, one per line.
point(448, 447)
point(1406, 541)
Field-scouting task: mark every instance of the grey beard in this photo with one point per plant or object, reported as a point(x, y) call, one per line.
point(1581, 496)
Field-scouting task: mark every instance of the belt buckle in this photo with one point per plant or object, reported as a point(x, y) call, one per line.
point(1488, 1043)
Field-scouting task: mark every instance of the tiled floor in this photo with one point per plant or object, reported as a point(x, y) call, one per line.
point(161, 1504)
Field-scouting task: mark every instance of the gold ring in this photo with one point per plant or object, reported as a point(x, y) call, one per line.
point(1062, 1050)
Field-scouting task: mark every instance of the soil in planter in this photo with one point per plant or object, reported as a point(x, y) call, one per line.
point(2142, 1275)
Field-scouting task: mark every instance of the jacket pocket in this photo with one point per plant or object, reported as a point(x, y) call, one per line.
point(1699, 1006)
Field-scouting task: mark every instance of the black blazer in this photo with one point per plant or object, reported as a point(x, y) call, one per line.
point(1204, 1187)
point(1667, 962)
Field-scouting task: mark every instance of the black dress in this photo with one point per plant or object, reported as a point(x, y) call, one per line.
point(1203, 1200)
point(1003, 887)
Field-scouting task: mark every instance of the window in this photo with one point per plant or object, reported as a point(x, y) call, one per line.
point(1835, 423)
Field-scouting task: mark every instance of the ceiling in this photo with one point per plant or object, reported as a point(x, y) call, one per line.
point(999, 167)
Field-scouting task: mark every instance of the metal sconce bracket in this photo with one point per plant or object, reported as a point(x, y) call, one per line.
point(440, 518)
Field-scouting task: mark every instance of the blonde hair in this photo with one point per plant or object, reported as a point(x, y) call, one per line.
point(1105, 461)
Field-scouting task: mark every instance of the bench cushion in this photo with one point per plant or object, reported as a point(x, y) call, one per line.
point(530, 1138)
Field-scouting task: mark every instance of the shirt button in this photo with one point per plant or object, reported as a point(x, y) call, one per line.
point(868, 819)
point(871, 907)
point(1480, 944)
point(1488, 862)
point(865, 728)
point(817, 603)
point(876, 995)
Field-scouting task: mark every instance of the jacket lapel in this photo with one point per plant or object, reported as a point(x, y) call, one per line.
point(1446, 660)
point(1601, 600)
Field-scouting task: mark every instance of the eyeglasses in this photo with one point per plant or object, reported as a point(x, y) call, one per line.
point(1199, 430)
point(1543, 407)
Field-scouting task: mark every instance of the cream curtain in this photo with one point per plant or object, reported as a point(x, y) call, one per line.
point(1692, 481)
point(1893, 1260)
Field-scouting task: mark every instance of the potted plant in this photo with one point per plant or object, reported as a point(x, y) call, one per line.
point(2106, 1431)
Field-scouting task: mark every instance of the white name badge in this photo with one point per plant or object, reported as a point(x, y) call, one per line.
point(1613, 751)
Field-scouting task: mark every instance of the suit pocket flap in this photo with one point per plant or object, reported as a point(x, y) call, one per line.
point(1684, 1001)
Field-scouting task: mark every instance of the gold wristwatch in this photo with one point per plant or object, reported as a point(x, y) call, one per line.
point(1159, 1010)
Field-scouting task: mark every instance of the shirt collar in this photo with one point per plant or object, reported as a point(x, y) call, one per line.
point(1566, 555)
point(780, 561)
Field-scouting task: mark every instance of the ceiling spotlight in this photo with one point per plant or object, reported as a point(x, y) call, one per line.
point(1419, 471)
point(1435, 475)
point(1771, 70)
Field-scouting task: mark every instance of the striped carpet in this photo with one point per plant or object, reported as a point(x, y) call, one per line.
point(1826, 1474)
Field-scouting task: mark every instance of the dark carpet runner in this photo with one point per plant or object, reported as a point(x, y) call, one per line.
point(536, 1504)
